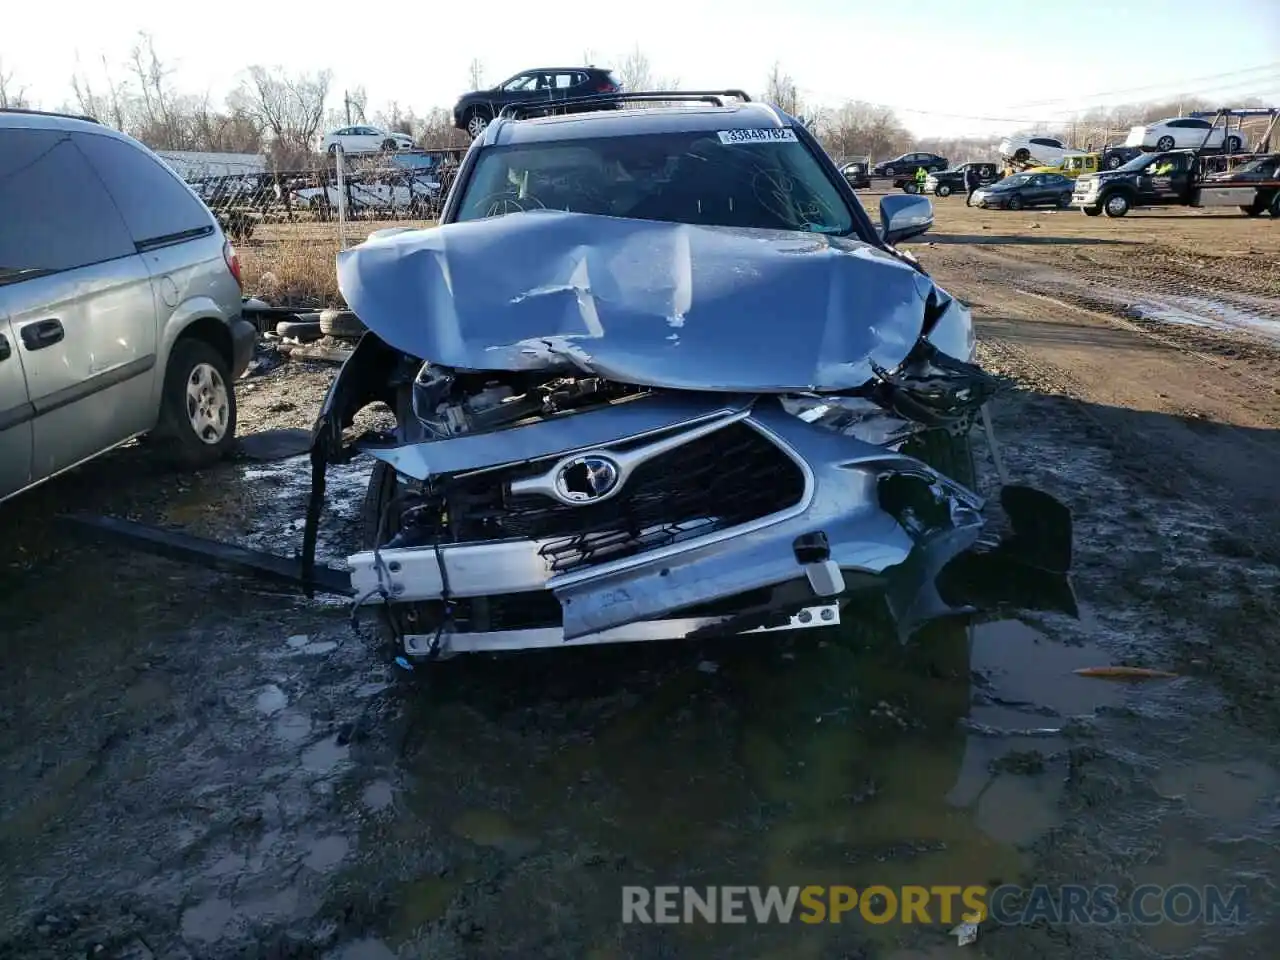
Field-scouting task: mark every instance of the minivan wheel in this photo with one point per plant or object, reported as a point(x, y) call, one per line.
point(943, 190)
point(198, 408)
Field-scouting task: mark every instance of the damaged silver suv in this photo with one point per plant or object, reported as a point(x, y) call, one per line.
point(656, 375)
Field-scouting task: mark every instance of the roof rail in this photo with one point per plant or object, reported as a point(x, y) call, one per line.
point(51, 113)
point(525, 108)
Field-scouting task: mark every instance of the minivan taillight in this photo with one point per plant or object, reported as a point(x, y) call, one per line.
point(233, 262)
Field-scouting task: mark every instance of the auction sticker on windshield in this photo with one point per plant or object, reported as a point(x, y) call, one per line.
point(770, 135)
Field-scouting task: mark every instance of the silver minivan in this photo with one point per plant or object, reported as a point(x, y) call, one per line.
point(119, 304)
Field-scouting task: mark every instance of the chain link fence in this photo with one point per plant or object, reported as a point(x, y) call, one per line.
point(340, 189)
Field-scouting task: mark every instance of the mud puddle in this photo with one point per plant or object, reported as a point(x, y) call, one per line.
point(840, 760)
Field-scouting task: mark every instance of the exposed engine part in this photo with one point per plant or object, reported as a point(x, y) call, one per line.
point(448, 403)
point(855, 417)
point(935, 390)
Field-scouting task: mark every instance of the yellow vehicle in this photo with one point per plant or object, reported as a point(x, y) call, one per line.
point(1072, 166)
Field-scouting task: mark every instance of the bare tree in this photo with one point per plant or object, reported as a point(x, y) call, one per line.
point(780, 90)
point(636, 73)
point(111, 106)
point(11, 96)
point(290, 108)
point(475, 74)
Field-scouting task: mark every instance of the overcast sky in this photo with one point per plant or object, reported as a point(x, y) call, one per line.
point(946, 67)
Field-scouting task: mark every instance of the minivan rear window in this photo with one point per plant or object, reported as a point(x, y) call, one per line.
point(155, 204)
point(55, 213)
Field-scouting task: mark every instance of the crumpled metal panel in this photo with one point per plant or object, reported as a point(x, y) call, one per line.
point(657, 304)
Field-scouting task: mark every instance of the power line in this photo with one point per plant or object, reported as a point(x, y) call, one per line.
point(1263, 68)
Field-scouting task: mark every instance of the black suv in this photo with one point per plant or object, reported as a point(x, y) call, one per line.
point(475, 110)
point(946, 182)
point(907, 165)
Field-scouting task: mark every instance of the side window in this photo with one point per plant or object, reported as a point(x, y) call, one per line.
point(563, 81)
point(57, 214)
point(153, 201)
point(1197, 124)
point(522, 83)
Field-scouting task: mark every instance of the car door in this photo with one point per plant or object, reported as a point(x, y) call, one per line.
point(1171, 185)
point(16, 412)
point(84, 319)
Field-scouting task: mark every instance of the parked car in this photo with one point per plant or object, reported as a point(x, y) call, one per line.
point(1042, 151)
point(857, 172)
point(475, 110)
point(1026, 190)
point(943, 183)
point(1189, 133)
point(120, 303)
point(906, 165)
point(366, 139)
point(616, 436)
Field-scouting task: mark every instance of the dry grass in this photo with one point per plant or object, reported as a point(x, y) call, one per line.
point(293, 264)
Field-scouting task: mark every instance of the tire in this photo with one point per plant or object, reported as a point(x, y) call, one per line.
point(1254, 211)
point(1116, 205)
point(197, 425)
point(389, 146)
point(1164, 143)
point(1275, 205)
point(299, 329)
point(943, 190)
point(477, 121)
point(333, 149)
point(888, 171)
point(1233, 144)
point(1015, 202)
point(1091, 211)
point(342, 324)
point(950, 455)
point(1022, 155)
point(1114, 163)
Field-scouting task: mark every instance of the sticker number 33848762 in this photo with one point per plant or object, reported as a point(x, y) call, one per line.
point(770, 135)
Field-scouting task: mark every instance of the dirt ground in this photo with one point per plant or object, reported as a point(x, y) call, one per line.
point(200, 767)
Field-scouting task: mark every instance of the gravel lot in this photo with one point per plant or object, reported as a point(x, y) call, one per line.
point(197, 766)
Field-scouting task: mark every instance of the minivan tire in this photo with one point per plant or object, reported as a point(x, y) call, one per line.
point(195, 366)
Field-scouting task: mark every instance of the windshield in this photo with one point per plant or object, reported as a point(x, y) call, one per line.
point(1017, 180)
point(694, 178)
point(1262, 165)
point(1139, 162)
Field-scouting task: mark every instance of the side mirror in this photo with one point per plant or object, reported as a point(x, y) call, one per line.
point(904, 216)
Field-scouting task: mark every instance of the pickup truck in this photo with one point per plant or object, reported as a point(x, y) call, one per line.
point(1177, 178)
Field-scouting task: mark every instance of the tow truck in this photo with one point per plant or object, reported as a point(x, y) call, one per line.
point(1193, 178)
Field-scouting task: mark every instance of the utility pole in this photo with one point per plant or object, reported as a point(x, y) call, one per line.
point(346, 102)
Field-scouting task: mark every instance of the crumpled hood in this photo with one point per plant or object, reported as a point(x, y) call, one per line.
point(655, 304)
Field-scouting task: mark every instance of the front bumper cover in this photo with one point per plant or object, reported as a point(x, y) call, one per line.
point(919, 543)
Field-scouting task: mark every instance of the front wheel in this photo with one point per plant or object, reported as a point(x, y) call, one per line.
point(389, 145)
point(1015, 202)
point(950, 455)
point(943, 190)
point(197, 424)
point(1116, 205)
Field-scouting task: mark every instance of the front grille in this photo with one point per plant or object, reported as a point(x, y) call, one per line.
point(729, 477)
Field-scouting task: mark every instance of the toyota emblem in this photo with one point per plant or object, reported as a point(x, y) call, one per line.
point(587, 479)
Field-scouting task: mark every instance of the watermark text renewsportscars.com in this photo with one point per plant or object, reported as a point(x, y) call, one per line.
point(1008, 904)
